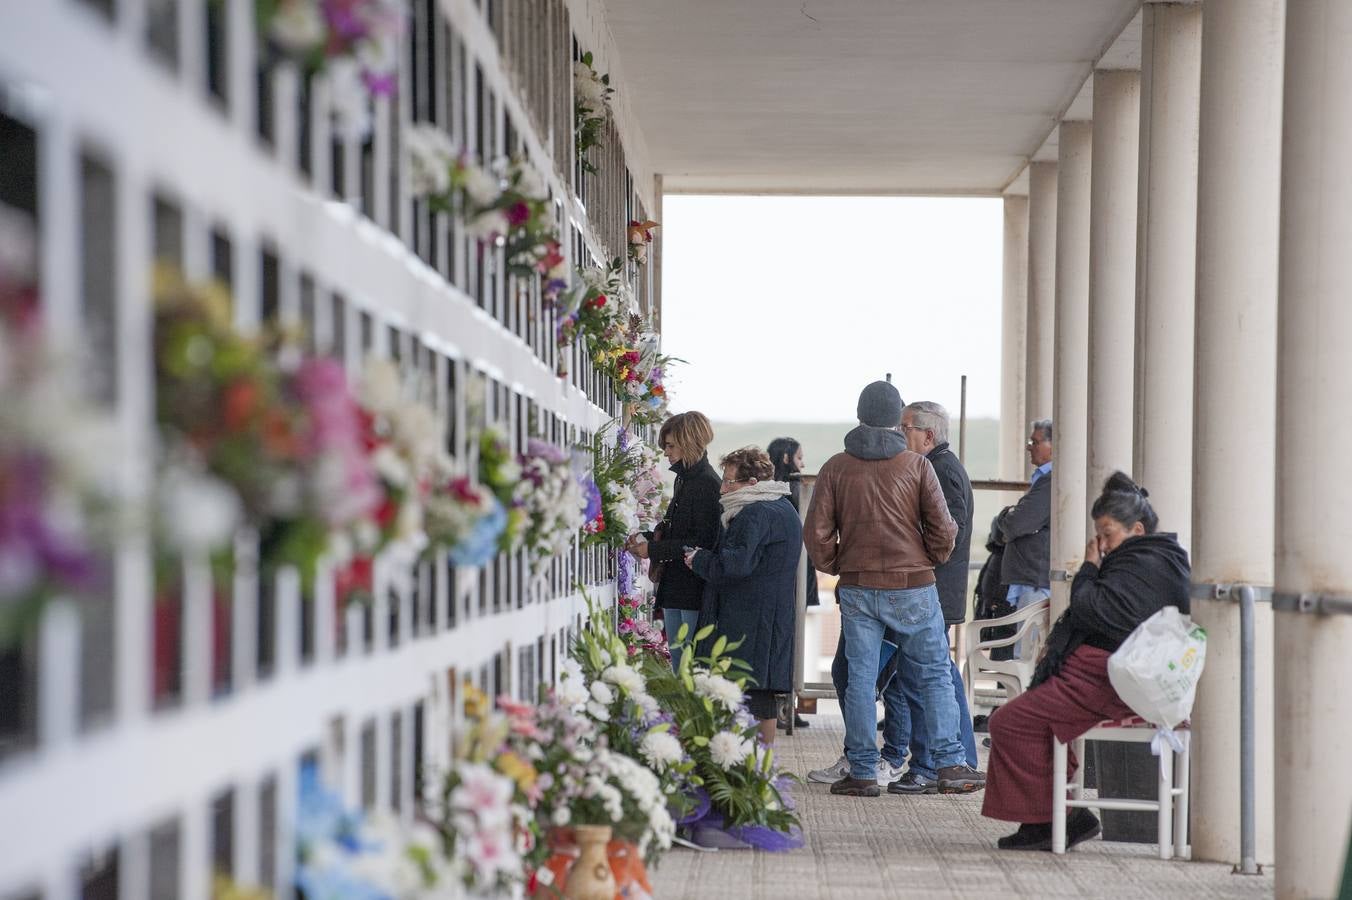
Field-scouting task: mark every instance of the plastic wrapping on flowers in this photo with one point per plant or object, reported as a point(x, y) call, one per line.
point(500, 472)
point(341, 852)
point(704, 699)
point(465, 518)
point(615, 467)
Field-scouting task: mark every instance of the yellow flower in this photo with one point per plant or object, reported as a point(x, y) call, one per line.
point(517, 768)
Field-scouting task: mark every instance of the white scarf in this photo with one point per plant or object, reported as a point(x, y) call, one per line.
point(735, 502)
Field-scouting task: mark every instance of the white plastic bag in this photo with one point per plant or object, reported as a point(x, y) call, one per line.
point(1155, 671)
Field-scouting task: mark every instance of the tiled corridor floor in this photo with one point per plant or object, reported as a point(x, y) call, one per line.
point(936, 846)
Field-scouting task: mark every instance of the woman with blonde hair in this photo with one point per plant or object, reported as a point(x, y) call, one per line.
point(691, 520)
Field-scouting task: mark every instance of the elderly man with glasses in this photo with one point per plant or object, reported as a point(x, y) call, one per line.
point(1025, 530)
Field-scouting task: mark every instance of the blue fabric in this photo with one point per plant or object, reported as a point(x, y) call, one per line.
point(1044, 469)
point(1019, 596)
point(914, 615)
point(905, 723)
point(672, 620)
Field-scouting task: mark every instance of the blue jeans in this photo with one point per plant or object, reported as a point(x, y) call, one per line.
point(885, 683)
point(915, 616)
point(672, 620)
point(1021, 595)
point(904, 723)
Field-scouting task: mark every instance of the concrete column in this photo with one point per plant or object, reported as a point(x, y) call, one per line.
point(1234, 419)
point(1014, 337)
point(1166, 259)
point(1041, 320)
point(1112, 274)
point(1070, 392)
point(1314, 397)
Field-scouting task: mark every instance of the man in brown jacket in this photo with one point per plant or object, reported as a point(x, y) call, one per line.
point(878, 519)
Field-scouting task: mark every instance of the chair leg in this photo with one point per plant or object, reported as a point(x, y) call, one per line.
point(1166, 800)
point(1077, 785)
point(1058, 796)
point(1182, 776)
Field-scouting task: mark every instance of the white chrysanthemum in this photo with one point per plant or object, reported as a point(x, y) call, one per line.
point(390, 465)
point(661, 750)
point(728, 749)
point(430, 157)
point(719, 689)
point(598, 712)
point(203, 510)
point(626, 678)
point(488, 226)
point(298, 26)
point(648, 703)
point(602, 693)
point(483, 187)
point(562, 816)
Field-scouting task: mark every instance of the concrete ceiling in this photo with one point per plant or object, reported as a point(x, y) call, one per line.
point(860, 96)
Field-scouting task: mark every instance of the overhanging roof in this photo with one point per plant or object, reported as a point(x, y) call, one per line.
point(858, 96)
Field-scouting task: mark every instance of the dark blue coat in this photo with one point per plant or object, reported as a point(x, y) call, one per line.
point(751, 578)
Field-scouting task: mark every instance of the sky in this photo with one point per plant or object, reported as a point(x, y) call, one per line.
point(785, 307)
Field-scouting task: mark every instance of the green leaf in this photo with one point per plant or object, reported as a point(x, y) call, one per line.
point(700, 740)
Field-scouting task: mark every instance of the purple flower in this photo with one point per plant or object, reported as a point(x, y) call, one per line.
point(594, 502)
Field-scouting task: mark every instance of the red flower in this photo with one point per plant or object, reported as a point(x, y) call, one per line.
point(356, 577)
point(598, 303)
point(240, 402)
point(518, 214)
point(387, 512)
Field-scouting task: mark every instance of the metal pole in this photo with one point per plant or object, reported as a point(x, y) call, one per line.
point(1248, 859)
point(962, 425)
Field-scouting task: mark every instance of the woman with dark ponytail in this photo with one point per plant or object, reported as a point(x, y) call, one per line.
point(1131, 571)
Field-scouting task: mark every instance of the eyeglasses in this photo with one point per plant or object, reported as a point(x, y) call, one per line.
point(736, 480)
point(1032, 442)
point(913, 427)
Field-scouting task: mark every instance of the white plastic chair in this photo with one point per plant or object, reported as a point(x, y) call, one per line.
point(1170, 805)
point(1011, 674)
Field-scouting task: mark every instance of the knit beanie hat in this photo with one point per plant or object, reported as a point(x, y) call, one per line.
point(880, 405)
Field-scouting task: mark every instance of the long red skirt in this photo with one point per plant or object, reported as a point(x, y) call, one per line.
point(1019, 776)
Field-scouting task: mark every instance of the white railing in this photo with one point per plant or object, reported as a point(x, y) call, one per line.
point(153, 798)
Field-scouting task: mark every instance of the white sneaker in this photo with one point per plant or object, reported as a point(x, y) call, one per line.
point(888, 773)
point(832, 773)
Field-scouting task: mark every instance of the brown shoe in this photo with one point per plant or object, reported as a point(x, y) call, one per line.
point(856, 787)
point(961, 779)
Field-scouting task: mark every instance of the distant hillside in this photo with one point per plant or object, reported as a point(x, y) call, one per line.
point(821, 440)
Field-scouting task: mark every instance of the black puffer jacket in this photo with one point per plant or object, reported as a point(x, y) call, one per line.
point(1108, 601)
point(691, 521)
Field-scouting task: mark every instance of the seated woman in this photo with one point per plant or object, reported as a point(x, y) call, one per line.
point(751, 575)
point(1130, 572)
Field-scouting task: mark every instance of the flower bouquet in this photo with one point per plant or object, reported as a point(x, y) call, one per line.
point(485, 802)
point(614, 468)
point(591, 108)
point(343, 854)
point(551, 496)
point(288, 443)
point(640, 236)
point(356, 41)
point(737, 774)
point(509, 207)
point(57, 465)
point(500, 472)
point(463, 517)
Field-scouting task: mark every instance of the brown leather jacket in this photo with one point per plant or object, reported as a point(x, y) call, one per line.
point(878, 517)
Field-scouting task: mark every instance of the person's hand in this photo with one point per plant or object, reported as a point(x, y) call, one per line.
point(637, 547)
point(690, 558)
point(1091, 552)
